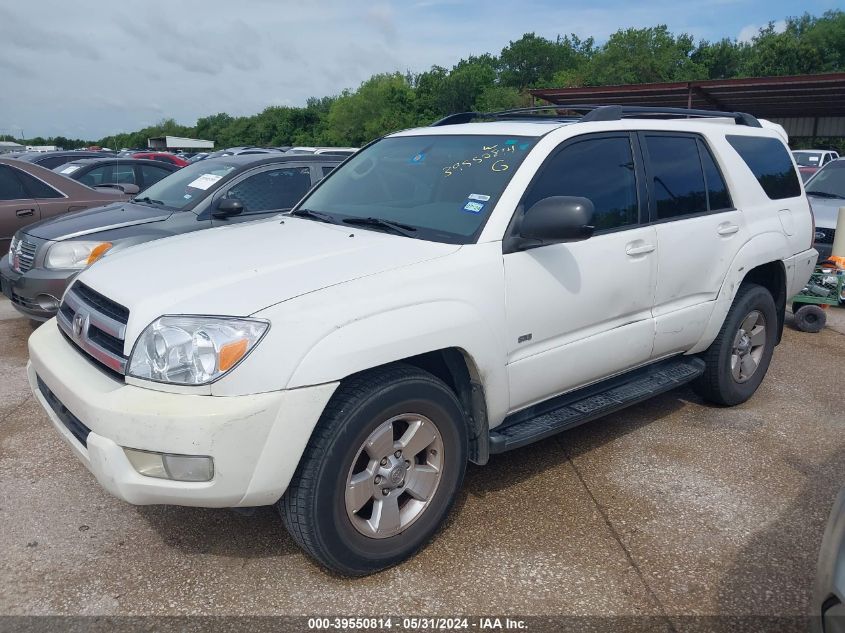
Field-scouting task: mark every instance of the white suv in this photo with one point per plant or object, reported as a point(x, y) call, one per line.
point(448, 293)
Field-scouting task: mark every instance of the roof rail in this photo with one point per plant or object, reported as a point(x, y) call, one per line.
point(597, 113)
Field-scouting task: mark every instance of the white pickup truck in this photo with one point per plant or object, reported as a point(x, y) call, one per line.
point(447, 293)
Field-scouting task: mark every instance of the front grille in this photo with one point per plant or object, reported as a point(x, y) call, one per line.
point(824, 236)
point(95, 324)
point(101, 303)
point(73, 424)
point(25, 255)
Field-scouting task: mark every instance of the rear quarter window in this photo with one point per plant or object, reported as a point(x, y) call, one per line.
point(769, 161)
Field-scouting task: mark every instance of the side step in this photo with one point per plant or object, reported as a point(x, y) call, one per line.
point(586, 404)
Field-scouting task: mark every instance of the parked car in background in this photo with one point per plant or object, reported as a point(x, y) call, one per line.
point(51, 160)
point(828, 614)
point(102, 172)
point(216, 192)
point(29, 193)
point(809, 161)
point(198, 157)
point(826, 192)
point(336, 151)
point(163, 157)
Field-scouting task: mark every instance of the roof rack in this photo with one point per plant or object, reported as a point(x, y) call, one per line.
point(594, 113)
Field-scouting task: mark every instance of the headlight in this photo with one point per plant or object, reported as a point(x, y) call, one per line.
point(12, 248)
point(75, 255)
point(193, 350)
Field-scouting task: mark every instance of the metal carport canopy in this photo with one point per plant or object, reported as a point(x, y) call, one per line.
point(769, 97)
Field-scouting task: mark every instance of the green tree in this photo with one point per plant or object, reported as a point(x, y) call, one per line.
point(382, 104)
point(649, 55)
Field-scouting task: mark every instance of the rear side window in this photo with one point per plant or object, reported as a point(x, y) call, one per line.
point(677, 177)
point(769, 161)
point(37, 188)
point(10, 187)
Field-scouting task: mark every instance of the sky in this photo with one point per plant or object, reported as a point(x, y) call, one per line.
point(90, 68)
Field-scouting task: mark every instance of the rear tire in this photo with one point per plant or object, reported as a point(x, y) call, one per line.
point(737, 360)
point(810, 318)
point(341, 505)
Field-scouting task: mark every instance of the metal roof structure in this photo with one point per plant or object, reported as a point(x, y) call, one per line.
point(793, 100)
point(178, 142)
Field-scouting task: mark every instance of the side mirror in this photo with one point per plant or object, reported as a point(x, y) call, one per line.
point(557, 219)
point(227, 207)
point(125, 187)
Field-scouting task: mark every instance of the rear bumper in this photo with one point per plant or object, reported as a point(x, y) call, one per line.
point(256, 440)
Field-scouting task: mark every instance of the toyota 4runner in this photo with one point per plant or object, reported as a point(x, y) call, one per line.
point(446, 294)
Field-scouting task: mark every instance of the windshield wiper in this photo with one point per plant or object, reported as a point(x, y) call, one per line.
point(390, 225)
point(825, 194)
point(148, 199)
point(314, 215)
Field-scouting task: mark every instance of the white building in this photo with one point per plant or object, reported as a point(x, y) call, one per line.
point(177, 142)
point(9, 146)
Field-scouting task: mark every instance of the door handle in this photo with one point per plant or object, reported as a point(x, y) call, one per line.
point(727, 228)
point(22, 213)
point(634, 249)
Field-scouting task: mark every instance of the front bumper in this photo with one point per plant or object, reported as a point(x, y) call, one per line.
point(256, 440)
point(28, 290)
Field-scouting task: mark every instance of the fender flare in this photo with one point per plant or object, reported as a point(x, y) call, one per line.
point(761, 249)
point(403, 332)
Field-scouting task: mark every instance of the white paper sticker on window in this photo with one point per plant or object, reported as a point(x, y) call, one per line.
point(70, 169)
point(478, 196)
point(204, 181)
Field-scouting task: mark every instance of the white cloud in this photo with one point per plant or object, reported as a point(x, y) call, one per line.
point(750, 31)
point(99, 67)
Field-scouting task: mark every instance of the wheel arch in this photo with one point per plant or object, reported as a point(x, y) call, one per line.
point(759, 261)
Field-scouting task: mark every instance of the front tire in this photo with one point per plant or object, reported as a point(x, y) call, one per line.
point(737, 360)
point(380, 471)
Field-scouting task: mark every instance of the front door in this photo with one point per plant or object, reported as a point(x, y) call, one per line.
point(17, 207)
point(266, 192)
point(581, 311)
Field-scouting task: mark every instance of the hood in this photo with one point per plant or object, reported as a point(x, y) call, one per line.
point(825, 210)
point(240, 269)
point(79, 223)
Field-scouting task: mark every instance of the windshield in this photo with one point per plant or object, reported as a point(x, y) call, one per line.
point(829, 181)
point(184, 188)
point(807, 159)
point(442, 187)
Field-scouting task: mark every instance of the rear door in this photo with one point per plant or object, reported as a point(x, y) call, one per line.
point(265, 192)
point(698, 234)
point(17, 207)
point(51, 202)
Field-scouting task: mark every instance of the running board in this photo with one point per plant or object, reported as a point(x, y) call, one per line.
point(588, 403)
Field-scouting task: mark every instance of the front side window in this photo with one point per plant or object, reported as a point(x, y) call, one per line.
point(11, 187)
point(442, 186)
point(677, 176)
point(272, 190)
point(769, 161)
point(601, 169)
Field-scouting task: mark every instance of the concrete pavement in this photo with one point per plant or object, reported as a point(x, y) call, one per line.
point(671, 508)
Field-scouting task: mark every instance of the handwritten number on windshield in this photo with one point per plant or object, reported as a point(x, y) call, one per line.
point(489, 152)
